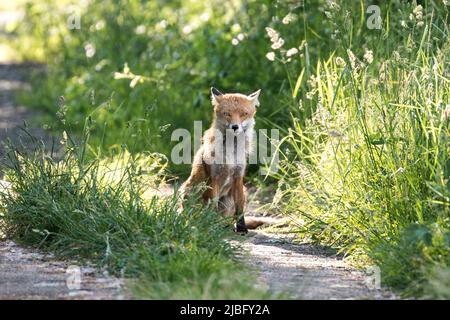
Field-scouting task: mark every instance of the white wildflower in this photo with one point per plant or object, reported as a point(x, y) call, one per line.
point(352, 58)
point(333, 5)
point(291, 52)
point(162, 24)
point(354, 63)
point(100, 25)
point(309, 95)
point(403, 24)
point(277, 41)
point(312, 81)
point(270, 56)
point(187, 29)
point(204, 17)
point(140, 29)
point(272, 33)
point(278, 44)
point(235, 42)
point(290, 17)
point(89, 50)
point(240, 36)
point(418, 12)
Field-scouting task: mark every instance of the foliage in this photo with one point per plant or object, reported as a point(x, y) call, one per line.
point(369, 171)
point(146, 66)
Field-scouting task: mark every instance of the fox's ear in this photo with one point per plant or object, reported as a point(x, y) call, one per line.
point(216, 95)
point(254, 97)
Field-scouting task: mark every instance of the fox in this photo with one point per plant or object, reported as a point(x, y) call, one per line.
point(221, 160)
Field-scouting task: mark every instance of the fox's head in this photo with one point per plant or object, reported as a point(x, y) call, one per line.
point(234, 111)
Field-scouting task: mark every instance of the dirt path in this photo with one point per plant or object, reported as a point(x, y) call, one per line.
point(306, 271)
point(28, 274)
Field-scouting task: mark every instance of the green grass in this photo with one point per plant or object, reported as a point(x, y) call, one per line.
point(368, 172)
point(101, 211)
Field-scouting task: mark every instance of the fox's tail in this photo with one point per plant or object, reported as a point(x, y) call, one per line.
point(253, 222)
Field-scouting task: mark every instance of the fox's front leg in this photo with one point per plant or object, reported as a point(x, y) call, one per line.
point(213, 191)
point(197, 176)
point(239, 200)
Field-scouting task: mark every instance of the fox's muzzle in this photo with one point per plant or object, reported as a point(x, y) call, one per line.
point(237, 128)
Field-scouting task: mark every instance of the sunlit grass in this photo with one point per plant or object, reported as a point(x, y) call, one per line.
point(100, 210)
point(368, 173)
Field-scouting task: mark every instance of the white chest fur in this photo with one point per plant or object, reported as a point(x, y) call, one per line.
point(227, 156)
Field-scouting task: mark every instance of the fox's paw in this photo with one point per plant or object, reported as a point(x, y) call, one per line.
point(239, 228)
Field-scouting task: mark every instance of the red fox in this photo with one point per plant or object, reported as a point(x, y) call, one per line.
point(222, 158)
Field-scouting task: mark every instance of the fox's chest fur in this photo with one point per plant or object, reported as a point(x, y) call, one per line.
point(226, 155)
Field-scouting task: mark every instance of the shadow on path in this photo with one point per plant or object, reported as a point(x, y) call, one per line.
point(304, 271)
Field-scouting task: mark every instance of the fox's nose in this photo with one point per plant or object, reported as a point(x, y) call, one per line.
point(234, 127)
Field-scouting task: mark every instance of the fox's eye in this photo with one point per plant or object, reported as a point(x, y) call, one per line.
point(226, 114)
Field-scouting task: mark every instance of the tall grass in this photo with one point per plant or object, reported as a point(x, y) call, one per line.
point(102, 211)
point(368, 173)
